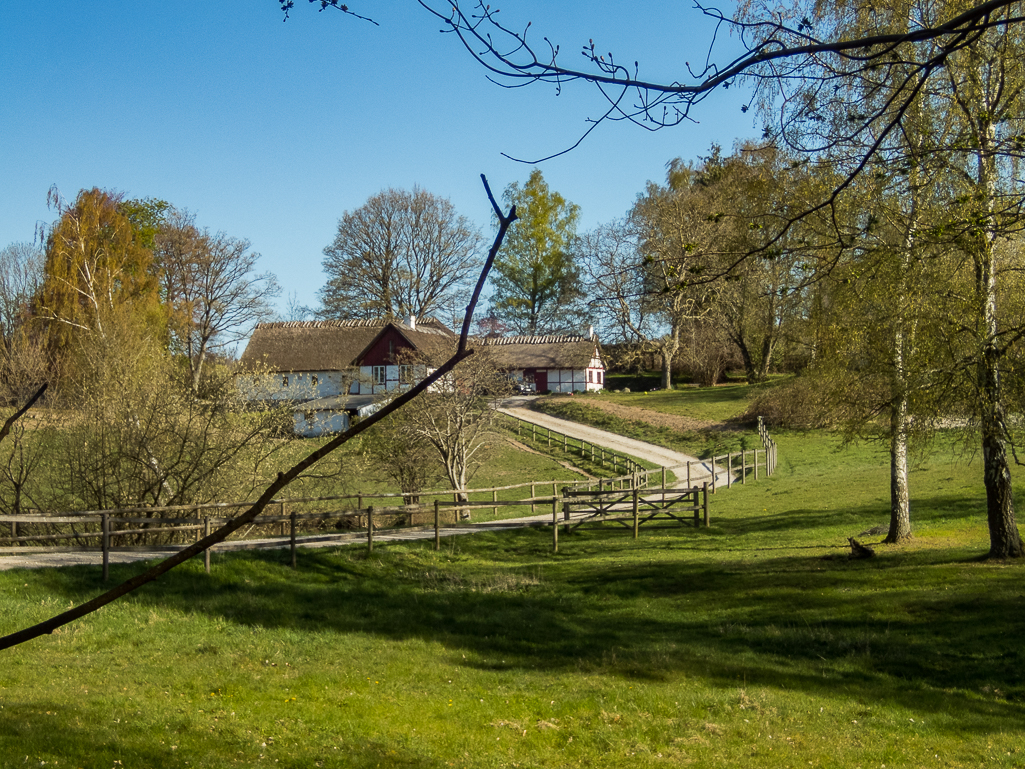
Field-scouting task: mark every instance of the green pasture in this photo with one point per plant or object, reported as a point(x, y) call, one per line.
point(697, 443)
point(753, 643)
point(720, 403)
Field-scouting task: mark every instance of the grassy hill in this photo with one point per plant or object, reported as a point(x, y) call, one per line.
point(754, 643)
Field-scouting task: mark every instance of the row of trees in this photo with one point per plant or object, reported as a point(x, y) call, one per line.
point(640, 281)
point(120, 312)
point(409, 253)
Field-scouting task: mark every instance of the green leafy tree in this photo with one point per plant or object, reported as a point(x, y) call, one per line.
point(535, 278)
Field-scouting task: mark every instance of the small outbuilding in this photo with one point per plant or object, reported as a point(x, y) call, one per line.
point(560, 364)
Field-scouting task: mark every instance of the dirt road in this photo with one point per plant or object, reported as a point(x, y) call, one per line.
point(671, 460)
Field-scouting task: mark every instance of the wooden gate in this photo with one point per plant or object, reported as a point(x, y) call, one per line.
point(635, 507)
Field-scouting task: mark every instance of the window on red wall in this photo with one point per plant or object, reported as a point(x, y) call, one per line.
point(590, 376)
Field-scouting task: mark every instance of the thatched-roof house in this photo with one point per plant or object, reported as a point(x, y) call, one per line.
point(570, 363)
point(333, 368)
point(316, 359)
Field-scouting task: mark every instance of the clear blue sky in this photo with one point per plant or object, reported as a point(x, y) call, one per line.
point(270, 130)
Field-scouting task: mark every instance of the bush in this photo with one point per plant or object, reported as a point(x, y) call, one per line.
point(796, 403)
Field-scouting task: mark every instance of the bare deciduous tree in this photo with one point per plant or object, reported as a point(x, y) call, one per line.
point(400, 253)
point(456, 419)
point(212, 287)
point(21, 276)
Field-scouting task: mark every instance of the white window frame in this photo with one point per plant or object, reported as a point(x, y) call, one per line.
point(379, 374)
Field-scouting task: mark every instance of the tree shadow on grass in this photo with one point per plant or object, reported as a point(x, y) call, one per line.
point(915, 630)
point(799, 521)
point(85, 733)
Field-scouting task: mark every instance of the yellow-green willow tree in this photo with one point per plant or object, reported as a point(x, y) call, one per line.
point(96, 268)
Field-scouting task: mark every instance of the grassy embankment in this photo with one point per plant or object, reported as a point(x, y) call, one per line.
point(717, 404)
point(753, 643)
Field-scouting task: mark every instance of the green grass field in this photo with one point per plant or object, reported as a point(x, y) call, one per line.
point(752, 643)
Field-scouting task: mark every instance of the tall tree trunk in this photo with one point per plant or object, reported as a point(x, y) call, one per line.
point(669, 348)
point(900, 501)
point(1004, 539)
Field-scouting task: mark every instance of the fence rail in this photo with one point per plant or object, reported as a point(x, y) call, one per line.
point(353, 519)
point(688, 474)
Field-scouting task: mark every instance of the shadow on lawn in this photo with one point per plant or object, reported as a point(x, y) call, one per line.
point(86, 730)
point(935, 509)
point(917, 629)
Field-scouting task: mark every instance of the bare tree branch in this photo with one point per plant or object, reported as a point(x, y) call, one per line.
point(18, 414)
point(284, 479)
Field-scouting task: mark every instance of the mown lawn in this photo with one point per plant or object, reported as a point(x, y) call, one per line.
point(752, 643)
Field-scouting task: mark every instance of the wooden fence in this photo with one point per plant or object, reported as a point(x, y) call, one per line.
point(734, 466)
point(352, 518)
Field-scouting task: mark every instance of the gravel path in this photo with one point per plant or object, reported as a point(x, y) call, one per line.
point(671, 460)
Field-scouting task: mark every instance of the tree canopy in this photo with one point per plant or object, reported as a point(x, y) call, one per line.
point(536, 279)
point(401, 253)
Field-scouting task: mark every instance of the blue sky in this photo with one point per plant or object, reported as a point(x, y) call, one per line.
point(270, 130)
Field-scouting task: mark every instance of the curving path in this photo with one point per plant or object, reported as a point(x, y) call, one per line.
point(672, 460)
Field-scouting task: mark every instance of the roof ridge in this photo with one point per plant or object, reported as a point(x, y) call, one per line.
point(432, 322)
point(541, 339)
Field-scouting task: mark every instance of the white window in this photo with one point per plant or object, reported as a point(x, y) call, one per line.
point(284, 381)
point(380, 375)
point(406, 374)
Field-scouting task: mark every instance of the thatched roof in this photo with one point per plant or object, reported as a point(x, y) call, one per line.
point(432, 344)
point(326, 345)
point(518, 352)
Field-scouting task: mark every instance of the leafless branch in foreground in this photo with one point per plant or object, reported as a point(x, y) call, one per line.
point(18, 414)
point(284, 479)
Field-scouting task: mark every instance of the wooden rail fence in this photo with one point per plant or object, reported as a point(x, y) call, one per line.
point(644, 491)
point(734, 465)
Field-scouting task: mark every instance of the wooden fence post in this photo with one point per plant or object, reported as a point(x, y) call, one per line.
point(756, 464)
point(549, 437)
point(729, 470)
point(637, 523)
point(291, 534)
point(533, 495)
point(206, 553)
point(555, 524)
point(565, 504)
point(743, 468)
point(494, 498)
point(688, 473)
point(713, 473)
point(105, 541)
point(370, 529)
point(706, 503)
point(437, 524)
